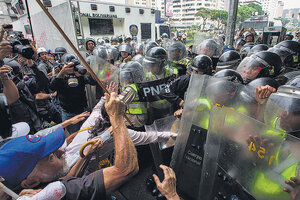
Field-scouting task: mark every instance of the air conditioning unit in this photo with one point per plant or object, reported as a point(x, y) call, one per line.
point(111, 8)
point(142, 11)
point(127, 10)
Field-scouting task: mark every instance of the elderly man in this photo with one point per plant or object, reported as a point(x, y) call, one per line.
point(31, 160)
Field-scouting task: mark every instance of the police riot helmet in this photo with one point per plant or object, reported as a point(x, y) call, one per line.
point(229, 60)
point(164, 35)
point(114, 39)
point(290, 35)
point(246, 49)
point(230, 75)
point(126, 38)
point(263, 81)
point(210, 48)
point(113, 53)
point(286, 57)
point(125, 48)
point(60, 50)
point(131, 72)
point(283, 109)
point(227, 47)
point(106, 39)
point(120, 39)
point(292, 47)
point(139, 48)
point(101, 52)
point(177, 51)
point(261, 64)
point(139, 58)
point(155, 59)
point(89, 40)
point(258, 48)
point(100, 41)
point(6, 125)
point(202, 63)
point(247, 34)
point(149, 46)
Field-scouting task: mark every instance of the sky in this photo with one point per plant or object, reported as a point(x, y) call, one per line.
point(291, 4)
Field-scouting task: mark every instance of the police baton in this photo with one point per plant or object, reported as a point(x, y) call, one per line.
point(76, 51)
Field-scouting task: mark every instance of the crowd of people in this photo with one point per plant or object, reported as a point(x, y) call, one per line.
point(46, 120)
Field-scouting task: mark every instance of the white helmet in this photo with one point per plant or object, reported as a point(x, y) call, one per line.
point(41, 50)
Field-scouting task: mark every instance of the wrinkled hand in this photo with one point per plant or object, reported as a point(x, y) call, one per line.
point(3, 70)
point(178, 112)
point(112, 87)
point(262, 93)
point(29, 192)
point(168, 186)
point(5, 49)
point(115, 108)
point(79, 118)
point(295, 191)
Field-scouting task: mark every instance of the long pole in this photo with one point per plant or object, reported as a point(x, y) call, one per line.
point(231, 22)
point(76, 51)
point(29, 19)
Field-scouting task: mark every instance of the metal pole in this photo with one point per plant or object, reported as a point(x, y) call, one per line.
point(231, 22)
point(76, 51)
point(29, 19)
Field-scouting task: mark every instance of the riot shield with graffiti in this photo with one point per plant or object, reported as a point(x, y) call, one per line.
point(246, 159)
point(105, 71)
point(203, 93)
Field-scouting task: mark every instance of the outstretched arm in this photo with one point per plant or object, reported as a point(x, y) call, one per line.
point(126, 163)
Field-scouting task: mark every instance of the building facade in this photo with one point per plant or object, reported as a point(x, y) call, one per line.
point(184, 10)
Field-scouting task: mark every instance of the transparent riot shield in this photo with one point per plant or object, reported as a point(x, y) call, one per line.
point(165, 43)
point(162, 150)
point(246, 159)
point(104, 70)
point(199, 37)
point(203, 93)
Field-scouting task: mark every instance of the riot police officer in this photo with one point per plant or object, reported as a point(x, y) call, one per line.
point(249, 37)
point(177, 56)
point(293, 48)
point(90, 44)
point(229, 60)
point(246, 49)
point(230, 75)
point(149, 46)
point(261, 64)
point(210, 48)
point(125, 53)
point(174, 92)
point(130, 74)
point(114, 40)
point(155, 62)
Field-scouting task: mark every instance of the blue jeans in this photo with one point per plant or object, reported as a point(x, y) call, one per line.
point(71, 128)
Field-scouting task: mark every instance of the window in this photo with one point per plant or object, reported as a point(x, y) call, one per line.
point(101, 26)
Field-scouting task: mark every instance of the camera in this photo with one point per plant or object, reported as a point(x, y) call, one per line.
point(10, 75)
point(23, 50)
point(78, 67)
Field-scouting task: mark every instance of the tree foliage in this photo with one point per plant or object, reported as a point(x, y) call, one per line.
point(220, 16)
point(205, 14)
point(246, 11)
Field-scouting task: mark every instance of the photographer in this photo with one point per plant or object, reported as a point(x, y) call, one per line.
point(70, 86)
point(44, 65)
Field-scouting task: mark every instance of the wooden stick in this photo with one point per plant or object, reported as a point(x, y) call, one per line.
point(76, 51)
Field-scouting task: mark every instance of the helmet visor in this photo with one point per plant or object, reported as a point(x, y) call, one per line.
point(126, 78)
point(283, 111)
point(249, 69)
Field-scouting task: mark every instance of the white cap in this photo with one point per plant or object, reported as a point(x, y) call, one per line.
point(41, 50)
point(20, 129)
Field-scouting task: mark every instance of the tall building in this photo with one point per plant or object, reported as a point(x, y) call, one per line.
point(9, 11)
point(245, 2)
point(146, 3)
point(184, 10)
point(273, 8)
